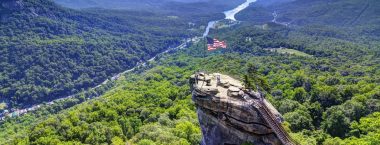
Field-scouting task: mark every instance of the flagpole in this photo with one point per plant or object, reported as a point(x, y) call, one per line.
point(204, 52)
point(205, 47)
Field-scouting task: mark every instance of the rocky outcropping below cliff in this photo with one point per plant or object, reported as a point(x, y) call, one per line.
point(220, 132)
point(229, 114)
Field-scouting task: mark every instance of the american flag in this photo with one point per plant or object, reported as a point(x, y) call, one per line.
point(213, 44)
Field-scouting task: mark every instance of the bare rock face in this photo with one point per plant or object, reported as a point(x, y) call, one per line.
point(217, 132)
point(231, 115)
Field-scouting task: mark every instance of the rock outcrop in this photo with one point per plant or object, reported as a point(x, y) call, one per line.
point(231, 115)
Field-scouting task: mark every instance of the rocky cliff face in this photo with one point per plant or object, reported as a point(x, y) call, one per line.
point(221, 132)
point(230, 115)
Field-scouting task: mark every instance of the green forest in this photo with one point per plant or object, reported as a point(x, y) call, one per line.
point(48, 51)
point(324, 101)
point(327, 89)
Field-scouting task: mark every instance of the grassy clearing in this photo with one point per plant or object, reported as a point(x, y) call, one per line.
point(291, 51)
point(2, 106)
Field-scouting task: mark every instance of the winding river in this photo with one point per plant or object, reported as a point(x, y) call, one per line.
point(229, 15)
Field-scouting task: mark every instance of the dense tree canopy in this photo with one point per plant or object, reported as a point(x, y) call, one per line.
point(154, 105)
point(48, 51)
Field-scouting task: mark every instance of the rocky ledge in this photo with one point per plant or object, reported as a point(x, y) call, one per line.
point(229, 114)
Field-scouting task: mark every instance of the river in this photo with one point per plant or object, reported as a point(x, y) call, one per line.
point(229, 15)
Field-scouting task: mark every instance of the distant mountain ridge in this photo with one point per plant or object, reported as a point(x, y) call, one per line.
point(331, 12)
point(355, 16)
point(143, 4)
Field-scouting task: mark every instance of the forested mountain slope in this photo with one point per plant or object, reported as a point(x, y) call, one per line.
point(48, 51)
point(195, 11)
point(155, 5)
point(353, 17)
point(337, 12)
point(324, 98)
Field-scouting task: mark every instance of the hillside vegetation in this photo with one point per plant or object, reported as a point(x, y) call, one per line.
point(48, 51)
point(348, 19)
point(324, 101)
point(155, 5)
